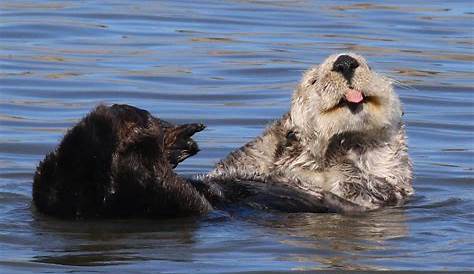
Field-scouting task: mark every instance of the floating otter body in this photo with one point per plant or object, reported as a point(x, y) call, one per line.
point(343, 135)
point(118, 162)
point(341, 148)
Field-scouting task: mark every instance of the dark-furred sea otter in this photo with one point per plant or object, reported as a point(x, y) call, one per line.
point(340, 148)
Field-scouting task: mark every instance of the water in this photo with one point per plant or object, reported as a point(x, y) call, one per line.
point(233, 65)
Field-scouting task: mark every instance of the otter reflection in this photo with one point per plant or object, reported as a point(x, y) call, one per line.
point(112, 242)
point(342, 242)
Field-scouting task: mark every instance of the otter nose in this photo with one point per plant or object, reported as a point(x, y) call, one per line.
point(345, 65)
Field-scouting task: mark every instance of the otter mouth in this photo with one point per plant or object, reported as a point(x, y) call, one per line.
point(354, 100)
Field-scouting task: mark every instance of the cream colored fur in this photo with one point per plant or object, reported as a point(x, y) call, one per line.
point(322, 146)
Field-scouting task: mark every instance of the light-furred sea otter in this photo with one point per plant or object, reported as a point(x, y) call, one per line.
point(343, 135)
point(340, 148)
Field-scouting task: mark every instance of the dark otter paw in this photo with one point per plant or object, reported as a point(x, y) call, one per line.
point(144, 141)
point(178, 142)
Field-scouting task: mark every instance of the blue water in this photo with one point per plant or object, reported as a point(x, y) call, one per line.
point(232, 65)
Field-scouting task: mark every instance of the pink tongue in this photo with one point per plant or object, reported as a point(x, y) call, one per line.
point(354, 96)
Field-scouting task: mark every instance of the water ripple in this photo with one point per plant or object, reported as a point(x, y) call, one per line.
point(233, 65)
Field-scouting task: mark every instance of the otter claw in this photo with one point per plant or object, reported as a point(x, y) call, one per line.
point(189, 130)
point(179, 144)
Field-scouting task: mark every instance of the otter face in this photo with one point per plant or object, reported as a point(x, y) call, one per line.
point(344, 95)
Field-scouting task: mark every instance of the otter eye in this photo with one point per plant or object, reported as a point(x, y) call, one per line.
point(313, 81)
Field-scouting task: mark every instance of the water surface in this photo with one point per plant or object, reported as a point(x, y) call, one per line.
point(232, 65)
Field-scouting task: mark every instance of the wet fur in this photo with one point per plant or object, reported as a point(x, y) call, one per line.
point(117, 162)
point(323, 147)
point(321, 156)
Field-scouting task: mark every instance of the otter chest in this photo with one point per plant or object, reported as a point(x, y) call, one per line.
point(374, 162)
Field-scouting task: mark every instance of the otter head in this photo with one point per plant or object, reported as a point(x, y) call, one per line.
point(344, 95)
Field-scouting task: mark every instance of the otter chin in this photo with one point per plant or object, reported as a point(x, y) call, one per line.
point(342, 136)
point(340, 148)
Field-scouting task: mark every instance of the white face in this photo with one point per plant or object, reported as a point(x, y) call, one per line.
point(344, 95)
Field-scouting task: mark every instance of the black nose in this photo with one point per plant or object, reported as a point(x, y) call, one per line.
point(346, 66)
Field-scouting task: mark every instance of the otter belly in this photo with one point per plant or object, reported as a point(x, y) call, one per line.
point(374, 178)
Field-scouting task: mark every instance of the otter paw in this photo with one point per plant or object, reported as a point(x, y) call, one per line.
point(178, 142)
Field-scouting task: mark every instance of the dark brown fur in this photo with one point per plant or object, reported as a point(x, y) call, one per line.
point(118, 161)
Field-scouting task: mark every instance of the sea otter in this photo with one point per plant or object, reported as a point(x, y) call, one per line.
point(343, 135)
point(340, 148)
point(117, 162)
